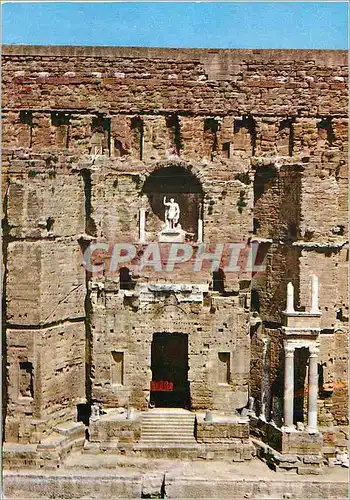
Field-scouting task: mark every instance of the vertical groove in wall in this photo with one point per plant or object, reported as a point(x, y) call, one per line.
point(88, 346)
point(90, 229)
point(252, 131)
point(4, 253)
point(177, 133)
point(291, 138)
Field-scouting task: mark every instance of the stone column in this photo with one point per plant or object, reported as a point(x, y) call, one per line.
point(200, 231)
point(313, 390)
point(290, 298)
point(314, 295)
point(142, 225)
point(111, 146)
point(288, 410)
point(265, 385)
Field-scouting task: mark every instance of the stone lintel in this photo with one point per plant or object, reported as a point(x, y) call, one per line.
point(310, 245)
point(304, 322)
point(297, 343)
point(276, 161)
point(177, 287)
point(301, 314)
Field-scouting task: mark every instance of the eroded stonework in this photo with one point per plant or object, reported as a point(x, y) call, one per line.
point(252, 145)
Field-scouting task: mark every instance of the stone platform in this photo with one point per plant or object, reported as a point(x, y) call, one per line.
point(112, 476)
point(171, 433)
point(50, 452)
point(294, 450)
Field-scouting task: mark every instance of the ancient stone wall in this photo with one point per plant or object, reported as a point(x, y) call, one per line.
point(219, 325)
point(263, 133)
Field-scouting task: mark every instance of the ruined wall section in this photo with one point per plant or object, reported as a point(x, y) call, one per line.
point(266, 367)
point(216, 325)
point(45, 290)
point(312, 84)
point(227, 113)
point(117, 196)
point(244, 92)
point(277, 195)
point(324, 251)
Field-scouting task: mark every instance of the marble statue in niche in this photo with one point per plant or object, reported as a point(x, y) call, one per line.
point(172, 213)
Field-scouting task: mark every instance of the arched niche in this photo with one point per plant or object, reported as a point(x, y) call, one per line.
point(179, 183)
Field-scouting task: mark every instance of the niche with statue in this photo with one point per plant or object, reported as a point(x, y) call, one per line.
point(173, 197)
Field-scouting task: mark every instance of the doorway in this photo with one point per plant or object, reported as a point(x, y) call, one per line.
point(301, 357)
point(169, 364)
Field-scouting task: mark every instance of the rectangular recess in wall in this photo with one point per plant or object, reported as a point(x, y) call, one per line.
point(26, 118)
point(100, 141)
point(61, 121)
point(26, 389)
point(117, 368)
point(137, 135)
point(226, 149)
point(224, 371)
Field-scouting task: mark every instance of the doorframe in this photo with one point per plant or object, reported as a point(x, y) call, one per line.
point(186, 404)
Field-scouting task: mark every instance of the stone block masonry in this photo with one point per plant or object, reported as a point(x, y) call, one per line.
point(252, 145)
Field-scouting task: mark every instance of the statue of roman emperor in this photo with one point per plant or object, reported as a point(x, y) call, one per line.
point(172, 213)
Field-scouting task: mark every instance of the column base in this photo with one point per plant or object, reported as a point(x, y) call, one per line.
point(288, 428)
point(311, 430)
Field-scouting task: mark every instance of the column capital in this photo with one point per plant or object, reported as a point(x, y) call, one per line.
point(289, 349)
point(313, 351)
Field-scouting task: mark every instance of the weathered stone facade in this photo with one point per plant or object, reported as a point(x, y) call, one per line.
point(251, 143)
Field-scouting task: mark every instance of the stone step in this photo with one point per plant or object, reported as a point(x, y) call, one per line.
point(16, 455)
point(157, 435)
point(167, 432)
point(168, 422)
point(167, 413)
point(164, 429)
point(160, 446)
point(163, 419)
point(71, 430)
point(172, 428)
point(183, 451)
point(171, 416)
point(167, 437)
point(168, 427)
point(167, 442)
point(159, 432)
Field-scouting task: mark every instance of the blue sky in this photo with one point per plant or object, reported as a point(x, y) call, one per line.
point(308, 25)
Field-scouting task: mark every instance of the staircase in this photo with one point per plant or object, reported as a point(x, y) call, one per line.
point(168, 428)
